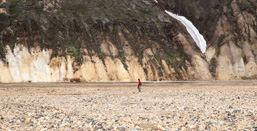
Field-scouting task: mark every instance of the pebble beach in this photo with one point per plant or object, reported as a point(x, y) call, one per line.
point(82, 106)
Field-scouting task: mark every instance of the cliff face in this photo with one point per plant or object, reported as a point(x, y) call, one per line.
point(230, 29)
point(111, 40)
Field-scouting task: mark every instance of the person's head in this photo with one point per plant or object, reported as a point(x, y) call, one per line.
point(138, 79)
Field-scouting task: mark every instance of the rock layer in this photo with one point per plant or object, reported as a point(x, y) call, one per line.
point(57, 41)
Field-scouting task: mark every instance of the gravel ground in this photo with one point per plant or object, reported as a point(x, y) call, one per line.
point(198, 106)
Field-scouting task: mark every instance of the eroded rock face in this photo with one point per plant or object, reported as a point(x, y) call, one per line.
point(236, 41)
point(229, 27)
point(24, 66)
point(56, 41)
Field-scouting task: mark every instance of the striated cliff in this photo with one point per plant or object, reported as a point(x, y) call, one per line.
point(120, 40)
point(229, 27)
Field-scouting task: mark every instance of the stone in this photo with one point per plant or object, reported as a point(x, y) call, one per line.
point(22, 119)
point(159, 127)
point(28, 120)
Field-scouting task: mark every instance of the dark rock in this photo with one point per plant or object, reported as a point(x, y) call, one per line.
point(236, 111)
point(22, 119)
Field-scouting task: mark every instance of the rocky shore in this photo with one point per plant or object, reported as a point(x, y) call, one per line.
point(120, 107)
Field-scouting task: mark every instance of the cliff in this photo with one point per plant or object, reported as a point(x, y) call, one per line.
point(119, 40)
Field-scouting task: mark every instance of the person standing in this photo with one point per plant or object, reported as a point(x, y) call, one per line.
point(138, 86)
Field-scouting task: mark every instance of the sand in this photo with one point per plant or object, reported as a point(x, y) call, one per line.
point(216, 105)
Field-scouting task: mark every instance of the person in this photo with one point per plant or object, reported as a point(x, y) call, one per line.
point(138, 86)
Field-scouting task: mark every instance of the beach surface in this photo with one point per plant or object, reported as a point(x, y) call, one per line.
point(213, 105)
